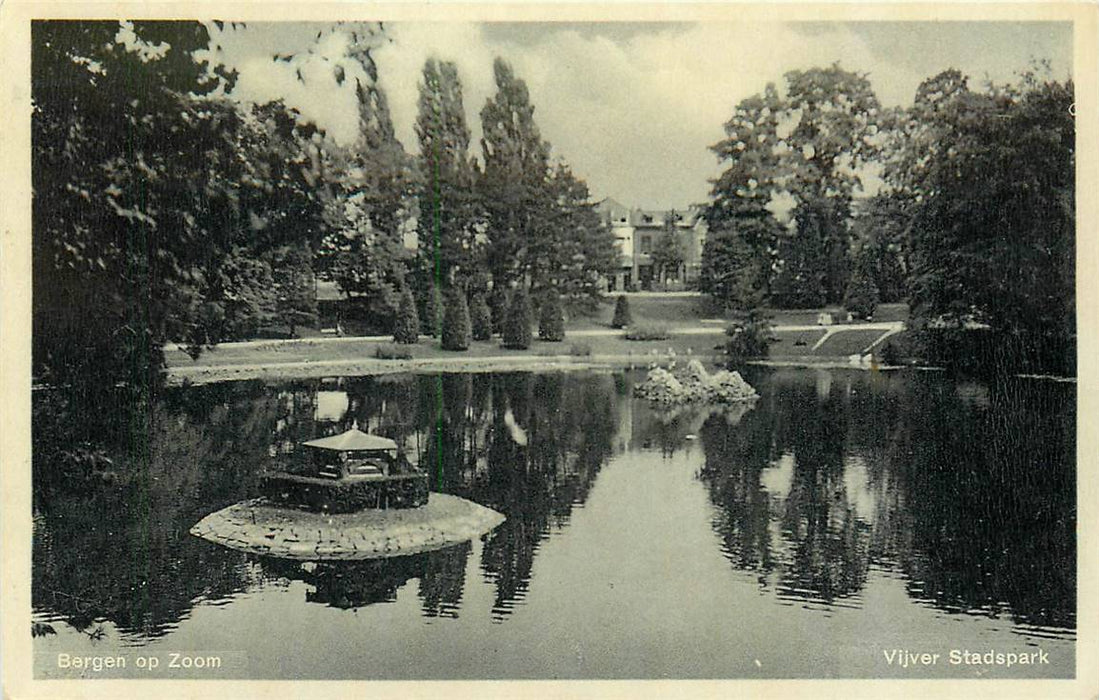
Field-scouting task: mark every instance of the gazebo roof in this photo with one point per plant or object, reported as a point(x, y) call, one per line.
point(353, 440)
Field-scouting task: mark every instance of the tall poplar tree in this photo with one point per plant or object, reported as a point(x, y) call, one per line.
point(513, 184)
point(447, 226)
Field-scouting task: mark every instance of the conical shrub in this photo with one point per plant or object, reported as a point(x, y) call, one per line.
point(456, 324)
point(517, 324)
point(480, 317)
point(622, 316)
point(551, 320)
point(406, 330)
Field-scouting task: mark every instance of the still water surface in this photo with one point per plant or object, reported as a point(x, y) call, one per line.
point(841, 516)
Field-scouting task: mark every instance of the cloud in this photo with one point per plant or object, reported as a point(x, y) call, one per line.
point(634, 111)
point(634, 117)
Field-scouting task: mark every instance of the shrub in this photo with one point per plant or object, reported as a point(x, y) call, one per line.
point(890, 354)
point(551, 319)
point(622, 316)
point(392, 352)
point(456, 326)
point(648, 332)
point(749, 337)
point(480, 318)
point(517, 325)
point(407, 328)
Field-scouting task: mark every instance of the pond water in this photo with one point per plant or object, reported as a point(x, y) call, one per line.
point(840, 517)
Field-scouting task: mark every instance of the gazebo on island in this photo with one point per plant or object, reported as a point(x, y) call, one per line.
point(349, 472)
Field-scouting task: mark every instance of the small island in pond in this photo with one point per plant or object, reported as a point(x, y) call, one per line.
point(694, 385)
point(354, 497)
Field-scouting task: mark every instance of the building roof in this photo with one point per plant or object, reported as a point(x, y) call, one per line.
point(353, 440)
point(611, 210)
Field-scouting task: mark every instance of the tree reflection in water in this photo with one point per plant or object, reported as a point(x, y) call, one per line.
point(966, 491)
point(111, 519)
point(972, 500)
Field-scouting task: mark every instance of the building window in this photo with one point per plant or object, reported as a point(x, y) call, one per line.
point(646, 244)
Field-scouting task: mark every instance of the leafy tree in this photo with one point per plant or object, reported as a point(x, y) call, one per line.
point(498, 308)
point(294, 287)
point(752, 157)
point(456, 322)
point(406, 330)
point(517, 326)
point(622, 317)
point(879, 230)
point(800, 279)
point(513, 184)
point(806, 149)
point(667, 254)
point(862, 292)
point(732, 272)
point(835, 134)
point(431, 318)
point(480, 317)
point(990, 176)
point(374, 193)
point(150, 197)
point(551, 319)
point(575, 251)
point(743, 196)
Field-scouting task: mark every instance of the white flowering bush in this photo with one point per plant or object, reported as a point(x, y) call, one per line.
point(694, 384)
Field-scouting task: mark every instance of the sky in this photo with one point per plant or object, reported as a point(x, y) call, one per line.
point(631, 107)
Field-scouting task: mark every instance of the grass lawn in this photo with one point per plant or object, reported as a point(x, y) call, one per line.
point(679, 311)
point(671, 311)
point(307, 350)
point(847, 343)
point(794, 343)
point(675, 312)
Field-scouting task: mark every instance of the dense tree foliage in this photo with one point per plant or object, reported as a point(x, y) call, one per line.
point(542, 226)
point(578, 251)
point(805, 149)
point(668, 255)
point(973, 221)
point(732, 272)
point(862, 291)
point(513, 185)
point(987, 183)
point(155, 202)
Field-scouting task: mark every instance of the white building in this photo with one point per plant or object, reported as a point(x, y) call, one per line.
point(637, 232)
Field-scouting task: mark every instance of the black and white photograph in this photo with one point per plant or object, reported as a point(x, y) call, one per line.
point(720, 345)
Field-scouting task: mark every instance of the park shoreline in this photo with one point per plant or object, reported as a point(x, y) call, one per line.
point(209, 374)
point(313, 369)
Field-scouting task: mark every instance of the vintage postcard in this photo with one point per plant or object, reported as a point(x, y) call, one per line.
point(549, 350)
